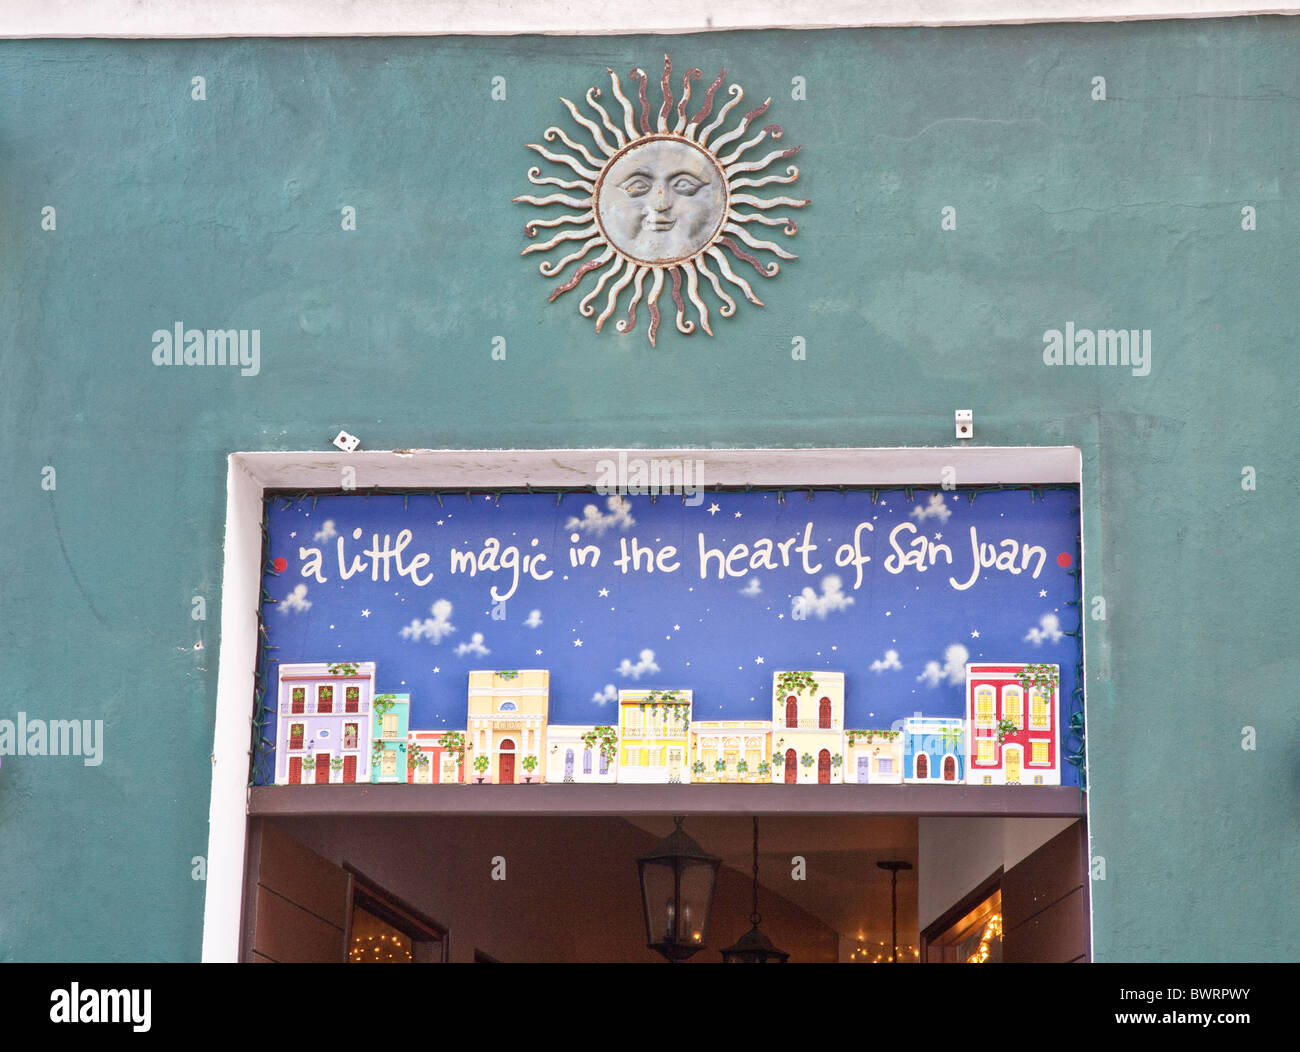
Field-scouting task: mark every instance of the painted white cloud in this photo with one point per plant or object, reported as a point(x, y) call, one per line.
point(1048, 630)
point(832, 598)
point(890, 660)
point(604, 697)
point(474, 646)
point(645, 665)
point(953, 669)
point(436, 628)
point(296, 600)
point(327, 532)
point(534, 619)
point(592, 521)
point(936, 509)
point(753, 588)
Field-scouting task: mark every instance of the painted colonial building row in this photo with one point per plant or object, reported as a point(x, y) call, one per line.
point(333, 728)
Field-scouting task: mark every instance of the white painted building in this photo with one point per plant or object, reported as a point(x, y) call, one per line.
point(570, 759)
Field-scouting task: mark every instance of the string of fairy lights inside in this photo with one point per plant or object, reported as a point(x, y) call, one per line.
point(878, 953)
point(379, 949)
point(992, 931)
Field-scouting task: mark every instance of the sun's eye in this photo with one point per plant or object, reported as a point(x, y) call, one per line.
point(686, 185)
point(637, 186)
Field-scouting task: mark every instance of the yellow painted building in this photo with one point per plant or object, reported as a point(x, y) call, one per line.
point(654, 736)
point(730, 750)
point(508, 711)
point(808, 727)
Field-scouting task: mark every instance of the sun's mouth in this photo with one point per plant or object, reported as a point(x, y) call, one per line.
point(662, 224)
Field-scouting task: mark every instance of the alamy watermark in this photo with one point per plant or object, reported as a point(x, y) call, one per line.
point(24, 737)
point(653, 475)
point(75, 1005)
point(1124, 347)
point(181, 346)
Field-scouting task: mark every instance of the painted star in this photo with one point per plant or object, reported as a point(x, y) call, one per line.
point(780, 617)
point(975, 634)
point(938, 536)
point(436, 670)
point(577, 642)
point(538, 652)
point(603, 593)
point(365, 613)
point(294, 533)
point(1042, 593)
point(714, 509)
point(737, 514)
point(439, 522)
point(758, 661)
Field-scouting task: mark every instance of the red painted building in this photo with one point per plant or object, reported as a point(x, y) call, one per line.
point(998, 696)
point(442, 767)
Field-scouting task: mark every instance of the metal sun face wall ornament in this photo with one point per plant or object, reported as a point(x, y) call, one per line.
point(662, 200)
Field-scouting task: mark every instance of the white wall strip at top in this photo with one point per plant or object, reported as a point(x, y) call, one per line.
point(326, 18)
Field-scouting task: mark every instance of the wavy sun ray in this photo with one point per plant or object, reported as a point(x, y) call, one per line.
point(661, 202)
point(592, 95)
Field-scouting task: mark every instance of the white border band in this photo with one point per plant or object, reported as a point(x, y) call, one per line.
point(162, 19)
point(251, 474)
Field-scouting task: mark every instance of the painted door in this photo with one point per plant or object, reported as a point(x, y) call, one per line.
point(792, 711)
point(791, 767)
point(824, 767)
point(1012, 758)
point(295, 770)
point(506, 763)
point(349, 768)
point(674, 765)
point(922, 765)
point(322, 768)
point(568, 765)
point(864, 769)
point(824, 714)
point(949, 768)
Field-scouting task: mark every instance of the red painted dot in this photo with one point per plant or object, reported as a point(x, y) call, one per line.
point(282, 564)
point(1064, 559)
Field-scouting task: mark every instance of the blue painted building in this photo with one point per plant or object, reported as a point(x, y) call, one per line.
point(934, 749)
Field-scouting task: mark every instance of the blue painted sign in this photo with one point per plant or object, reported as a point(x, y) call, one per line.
point(713, 592)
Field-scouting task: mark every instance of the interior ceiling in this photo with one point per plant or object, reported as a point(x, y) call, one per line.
point(844, 888)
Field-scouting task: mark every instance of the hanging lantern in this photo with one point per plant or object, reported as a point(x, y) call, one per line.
point(754, 947)
point(677, 880)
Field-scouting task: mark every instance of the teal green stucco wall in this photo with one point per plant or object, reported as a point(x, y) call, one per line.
point(1123, 213)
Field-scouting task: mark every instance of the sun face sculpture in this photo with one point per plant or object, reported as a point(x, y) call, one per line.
point(662, 200)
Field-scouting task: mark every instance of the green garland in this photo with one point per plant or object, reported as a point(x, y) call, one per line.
point(795, 683)
point(454, 743)
point(868, 736)
point(1006, 727)
point(604, 737)
point(1039, 676)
